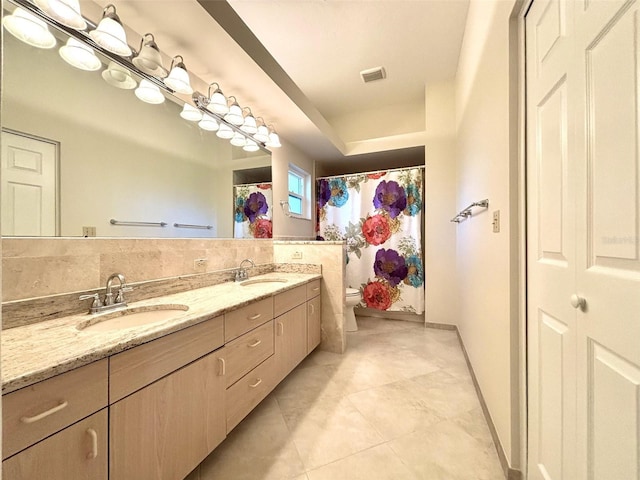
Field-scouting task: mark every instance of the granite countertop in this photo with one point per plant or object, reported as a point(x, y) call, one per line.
point(42, 350)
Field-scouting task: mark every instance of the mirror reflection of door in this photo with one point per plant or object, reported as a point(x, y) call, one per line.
point(29, 186)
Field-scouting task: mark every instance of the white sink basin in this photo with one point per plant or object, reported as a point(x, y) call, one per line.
point(255, 281)
point(132, 317)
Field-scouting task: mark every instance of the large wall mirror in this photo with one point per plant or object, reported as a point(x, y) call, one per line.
point(101, 154)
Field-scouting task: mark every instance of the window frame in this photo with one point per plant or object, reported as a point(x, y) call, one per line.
point(304, 197)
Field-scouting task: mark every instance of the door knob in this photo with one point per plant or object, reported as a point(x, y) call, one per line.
point(578, 301)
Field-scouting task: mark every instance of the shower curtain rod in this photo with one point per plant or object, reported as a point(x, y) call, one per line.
point(371, 172)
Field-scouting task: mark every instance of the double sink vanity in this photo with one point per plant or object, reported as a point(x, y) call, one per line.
point(149, 390)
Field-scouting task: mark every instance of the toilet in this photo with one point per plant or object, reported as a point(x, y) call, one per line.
point(353, 298)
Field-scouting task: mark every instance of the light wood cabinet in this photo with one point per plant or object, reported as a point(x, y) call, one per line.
point(291, 340)
point(246, 352)
point(242, 320)
point(314, 321)
point(78, 452)
point(164, 430)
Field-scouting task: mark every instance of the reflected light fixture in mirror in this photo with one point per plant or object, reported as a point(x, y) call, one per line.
point(251, 146)
point(234, 115)
point(249, 124)
point(191, 113)
point(148, 59)
point(66, 12)
point(29, 29)
point(238, 140)
point(178, 79)
point(208, 123)
point(149, 92)
point(110, 33)
point(262, 133)
point(217, 101)
point(119, 77)
point(78, 55)
point(274, 138)
point(225, 132)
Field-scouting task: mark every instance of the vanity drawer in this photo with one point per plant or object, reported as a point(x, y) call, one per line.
point(313, 289)
point(247, 351)
point(285, 301)
point(134, 369)
point(247, 318)
point(242, 397)
point(35, 412)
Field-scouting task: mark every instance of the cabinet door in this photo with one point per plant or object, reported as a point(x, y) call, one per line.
point(78, 452)
point(291, 340)
point(165, 430)
point(314, 319)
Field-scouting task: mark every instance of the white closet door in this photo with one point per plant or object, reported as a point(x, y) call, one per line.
point(608, 249)
point(551, 241)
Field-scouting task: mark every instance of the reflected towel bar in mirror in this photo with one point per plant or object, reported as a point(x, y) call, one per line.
point(138, 224)
point(186, 225)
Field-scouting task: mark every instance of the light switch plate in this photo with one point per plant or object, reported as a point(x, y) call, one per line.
point(88, 231)
point(296, 255)
point(496, 221)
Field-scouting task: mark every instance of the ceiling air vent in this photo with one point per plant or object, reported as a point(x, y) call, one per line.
point(373, 74)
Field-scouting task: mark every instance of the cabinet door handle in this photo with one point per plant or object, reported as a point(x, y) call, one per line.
point(258, 382)
point(94, 444)
point(280, 329)
point(223, 366)
point(46, 413)
point(255, 317)
point(312, 308)
point(254, 344)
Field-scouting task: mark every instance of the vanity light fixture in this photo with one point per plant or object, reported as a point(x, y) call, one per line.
point(225, 131)
point(249, 124)
point(66, 12)
point(119, 77)
point(148, 59)
point(79, 55)
point(29, 29)
point(251, 146)
point(178, 79)
point(208, 123)
point(149, 92)
point(191, 113)
point(274, 138)
point(238, 140)
point(110, 33)
point(217, 101)
point(262, 133)
point(234, 116)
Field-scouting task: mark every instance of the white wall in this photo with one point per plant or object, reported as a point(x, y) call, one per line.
point(483, 171)
point(283, 226)
point(440, 204)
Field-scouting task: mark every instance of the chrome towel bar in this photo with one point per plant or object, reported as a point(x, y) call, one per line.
point(187, 225)
point(138, 224)
point(466, 212)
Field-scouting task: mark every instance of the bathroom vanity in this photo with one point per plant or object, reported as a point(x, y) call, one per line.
point(150, 402)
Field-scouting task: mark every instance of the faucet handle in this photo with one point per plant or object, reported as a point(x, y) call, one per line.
point(120, 295)
point(96, 299)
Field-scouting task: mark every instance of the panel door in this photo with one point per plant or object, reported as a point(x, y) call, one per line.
point(608, 249)
point(291, 340)
point(551, 241)
point(29, 183)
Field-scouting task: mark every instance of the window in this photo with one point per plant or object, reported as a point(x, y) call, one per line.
point(299, 192)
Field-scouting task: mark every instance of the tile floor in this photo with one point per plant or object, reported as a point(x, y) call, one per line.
point(399, 404)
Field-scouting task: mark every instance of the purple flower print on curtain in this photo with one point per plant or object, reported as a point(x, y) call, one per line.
point(252, 217)
point(379, 215)
point(255, 205)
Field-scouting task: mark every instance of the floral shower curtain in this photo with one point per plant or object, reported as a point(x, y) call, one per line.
point(252, 216)
point(380, 217)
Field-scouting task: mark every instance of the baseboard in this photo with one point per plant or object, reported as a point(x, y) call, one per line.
point(509, 473)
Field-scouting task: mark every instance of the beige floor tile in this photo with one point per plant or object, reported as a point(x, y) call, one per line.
point(377, 463)
point(259, 448)
point(395, 409)
point(474, 423)
point(403, 363)
point(446, 452)
point(352, 377)
point(329, 431)
point(447, 395)
point(304, 388)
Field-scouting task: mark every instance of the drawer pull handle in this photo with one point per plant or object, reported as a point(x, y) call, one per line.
point(258, 382)
point(312, 308)
point(94, 444)
point(280, 329)
point(255, 317)
point(46, 413)
point(316, 289)
point(254, 344)
point(223, 367)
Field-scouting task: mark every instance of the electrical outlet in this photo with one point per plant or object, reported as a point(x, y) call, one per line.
point(296, 255)
point(88, 231)
point(496, 221)
point(200, 263)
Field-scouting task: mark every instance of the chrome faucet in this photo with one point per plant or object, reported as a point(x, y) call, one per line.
point(109, 301)
point(241, 272)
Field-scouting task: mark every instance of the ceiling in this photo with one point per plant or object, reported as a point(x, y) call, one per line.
point(297, 62)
